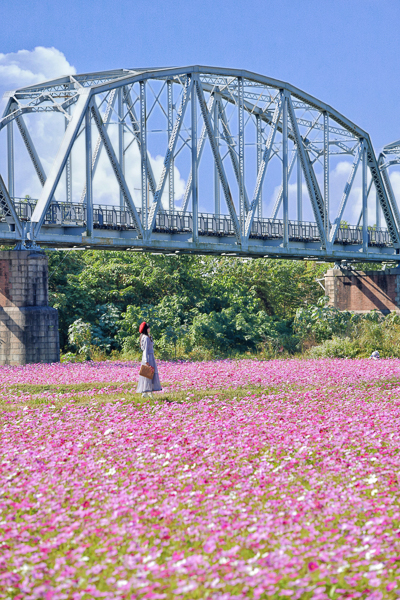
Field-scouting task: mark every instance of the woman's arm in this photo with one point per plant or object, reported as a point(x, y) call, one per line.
point(144, 348)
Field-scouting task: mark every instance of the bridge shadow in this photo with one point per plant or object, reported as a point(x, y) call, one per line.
point(375, 293)
point(12, 336)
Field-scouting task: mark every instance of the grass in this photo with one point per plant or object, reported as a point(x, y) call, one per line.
point(103, 393)
point(103, 397)
point(63, 389)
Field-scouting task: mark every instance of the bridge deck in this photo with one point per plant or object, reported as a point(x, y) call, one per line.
point(69, 220)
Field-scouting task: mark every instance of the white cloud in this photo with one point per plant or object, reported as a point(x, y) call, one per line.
point(338, 177)
point(20, 69)
point(105, 188)
point(157, 164)
point(395, 181)
point(25, 67)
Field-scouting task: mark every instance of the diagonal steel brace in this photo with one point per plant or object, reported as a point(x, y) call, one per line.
point(117, 169)
point(169, 154)
point(218, 160)
point(263, 167)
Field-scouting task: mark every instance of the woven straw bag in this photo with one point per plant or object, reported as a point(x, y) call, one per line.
point(146, 371)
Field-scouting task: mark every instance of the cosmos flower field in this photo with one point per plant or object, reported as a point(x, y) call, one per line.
point(245, 479)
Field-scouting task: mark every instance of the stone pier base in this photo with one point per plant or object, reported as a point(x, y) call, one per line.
point(28, 326)
point(361, 292)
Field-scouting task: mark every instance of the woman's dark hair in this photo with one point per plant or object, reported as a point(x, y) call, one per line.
point(145, 330)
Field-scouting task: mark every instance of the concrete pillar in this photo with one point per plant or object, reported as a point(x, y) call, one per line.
point(361, 292)
point(28, 326)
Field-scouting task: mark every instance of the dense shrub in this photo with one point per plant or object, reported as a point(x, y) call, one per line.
point(208, 306)
point(337, 347)
point(205, 307)
point(369, 332)
point(319, 322)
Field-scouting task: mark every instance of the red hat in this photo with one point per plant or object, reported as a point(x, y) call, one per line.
point(142, 326)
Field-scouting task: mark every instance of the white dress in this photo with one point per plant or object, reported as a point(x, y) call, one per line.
point(148, 385)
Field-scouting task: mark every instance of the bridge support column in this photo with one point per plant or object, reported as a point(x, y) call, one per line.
point(361, 292)
point(28, 326)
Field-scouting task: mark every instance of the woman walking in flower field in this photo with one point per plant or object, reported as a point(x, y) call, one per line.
point(147, 386)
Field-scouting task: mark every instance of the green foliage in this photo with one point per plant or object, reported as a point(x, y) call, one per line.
point(80, 337)
point(205, 307)
point(105, 331)
point(320, 322)
point(208, 306)
point(234, 322)
point(337, 347)
point(369, 332)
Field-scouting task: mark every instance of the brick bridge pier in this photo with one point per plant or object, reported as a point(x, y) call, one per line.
point(28, 326)
point(361, 292)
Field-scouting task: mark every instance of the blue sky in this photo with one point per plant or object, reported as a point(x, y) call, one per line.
point(345, 52)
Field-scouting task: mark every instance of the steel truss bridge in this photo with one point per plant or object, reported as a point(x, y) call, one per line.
point(195, 153)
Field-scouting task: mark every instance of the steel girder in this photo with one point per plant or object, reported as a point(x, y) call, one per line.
point(116, 168)
point(389, 157)
point(236, 110)
point(52, 181)
point(8, 208)
point(99, 142)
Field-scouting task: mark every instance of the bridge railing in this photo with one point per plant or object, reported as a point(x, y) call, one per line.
point(111, 217)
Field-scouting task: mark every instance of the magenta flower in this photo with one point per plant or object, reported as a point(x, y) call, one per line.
point(274, 479)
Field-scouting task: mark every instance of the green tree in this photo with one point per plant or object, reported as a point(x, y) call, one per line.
point(248, 302)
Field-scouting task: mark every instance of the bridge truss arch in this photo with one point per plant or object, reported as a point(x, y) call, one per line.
point(203, 160)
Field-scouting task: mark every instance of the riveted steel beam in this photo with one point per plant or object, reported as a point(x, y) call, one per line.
point(231, 144)
point(143, 153)
point(388, 203)
point(117, 169)
point(8, 208)
point(217, 185)
point(121, 143)
point(171, 193)
point(299, 189)
point(99, 143)
point(89, 173)
point(346, 193)
point(37, 164)
point(136, 133)
point(200, 148)
point(259, 160)
point(314, 192)
point(294, 156)
point(285, 175)
point(68, 170)
point(195, 182)
point(240, 111)
point(218, 160)
point(263, 167)
point(326, 172)
point(53, 179)
point(389, 190)
point(10, 158)
point(364, 194)
point(169, 155)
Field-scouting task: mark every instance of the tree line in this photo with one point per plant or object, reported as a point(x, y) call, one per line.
point(199, 306)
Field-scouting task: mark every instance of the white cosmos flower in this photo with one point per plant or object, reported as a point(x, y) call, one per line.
point(371, 479)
